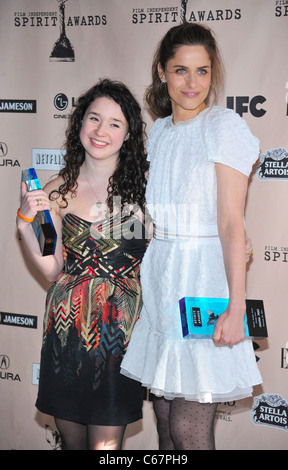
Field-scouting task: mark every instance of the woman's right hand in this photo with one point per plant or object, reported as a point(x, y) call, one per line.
point(33, 201)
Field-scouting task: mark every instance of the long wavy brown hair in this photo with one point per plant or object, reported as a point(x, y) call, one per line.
point(129, 179)
point(186, 34)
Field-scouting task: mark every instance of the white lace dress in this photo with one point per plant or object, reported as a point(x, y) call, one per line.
point(185, 259)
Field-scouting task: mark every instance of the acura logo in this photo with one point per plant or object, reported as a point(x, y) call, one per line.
point(4, 362)
point(3, 149)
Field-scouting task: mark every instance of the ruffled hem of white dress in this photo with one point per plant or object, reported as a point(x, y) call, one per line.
point(194, 369)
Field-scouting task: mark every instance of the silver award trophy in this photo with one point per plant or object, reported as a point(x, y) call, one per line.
point(42, 224)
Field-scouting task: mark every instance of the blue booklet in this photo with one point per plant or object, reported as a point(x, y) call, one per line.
point(200, 314)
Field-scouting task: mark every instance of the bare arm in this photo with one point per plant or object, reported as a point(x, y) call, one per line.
point(231, 196)
point(49, 266)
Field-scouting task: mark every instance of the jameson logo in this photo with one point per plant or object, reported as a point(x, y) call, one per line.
point(18, 106)
point(273, 164)
point(12, 319)
point(270, 410)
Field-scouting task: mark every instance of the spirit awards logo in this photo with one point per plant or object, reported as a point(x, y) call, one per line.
point(208, 15)
point(62, 50)
point(183, 10)
point(273, 165)
point(174, 14)
point(270, 410)
point(276, 253)
point(281, 8)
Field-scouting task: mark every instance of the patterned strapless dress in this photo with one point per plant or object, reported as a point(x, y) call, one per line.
point(90, 313)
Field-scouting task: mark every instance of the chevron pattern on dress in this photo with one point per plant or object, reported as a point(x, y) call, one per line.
point(111, 344)
point(97, 298)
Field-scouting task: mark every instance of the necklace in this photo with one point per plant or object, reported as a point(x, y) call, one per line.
point(98, 202)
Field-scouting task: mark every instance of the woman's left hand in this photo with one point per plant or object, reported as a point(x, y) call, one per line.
point(229, 328)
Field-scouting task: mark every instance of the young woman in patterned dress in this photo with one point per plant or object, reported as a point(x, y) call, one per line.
point(97, 205)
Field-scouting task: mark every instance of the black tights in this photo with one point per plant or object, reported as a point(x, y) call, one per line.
point(184, 425)
point(77, 436)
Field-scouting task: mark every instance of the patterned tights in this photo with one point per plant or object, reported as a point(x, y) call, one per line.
point(181, 425)
point(184, 425)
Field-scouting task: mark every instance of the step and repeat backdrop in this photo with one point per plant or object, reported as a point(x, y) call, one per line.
point(53, 51)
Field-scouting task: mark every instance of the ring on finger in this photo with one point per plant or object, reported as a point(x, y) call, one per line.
point(39, 202)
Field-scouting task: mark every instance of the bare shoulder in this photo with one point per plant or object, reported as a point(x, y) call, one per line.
point(53, 185)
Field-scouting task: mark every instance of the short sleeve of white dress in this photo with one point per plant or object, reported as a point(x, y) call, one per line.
point(229, 140)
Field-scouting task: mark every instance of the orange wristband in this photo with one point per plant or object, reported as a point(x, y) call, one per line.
point(26, 219)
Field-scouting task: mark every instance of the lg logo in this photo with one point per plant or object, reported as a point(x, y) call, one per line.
point(243, 104)
point(60, 101)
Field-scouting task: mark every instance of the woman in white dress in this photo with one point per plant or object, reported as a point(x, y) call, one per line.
point(200, 158)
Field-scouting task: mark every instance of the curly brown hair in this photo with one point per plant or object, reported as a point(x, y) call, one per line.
point(129, 179)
